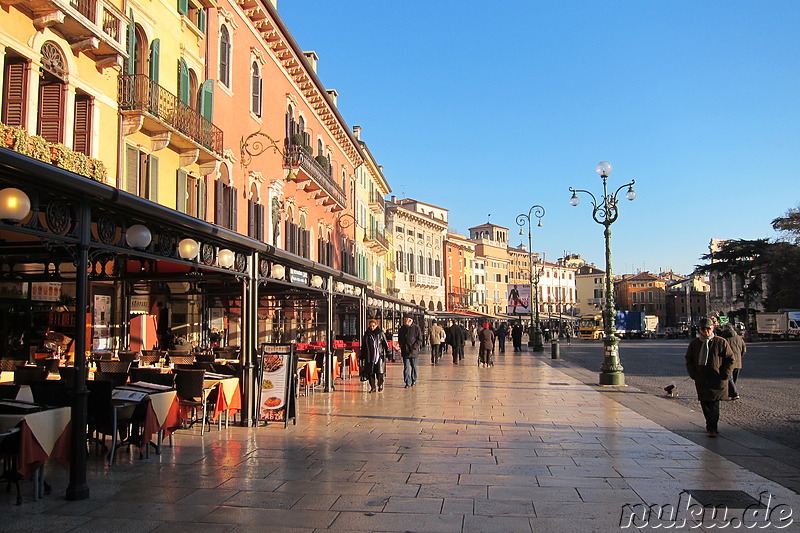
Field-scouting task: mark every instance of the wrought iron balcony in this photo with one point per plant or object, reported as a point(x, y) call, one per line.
point(139, 93)
point(376, 240)
point(297, 158)
point(90, 26)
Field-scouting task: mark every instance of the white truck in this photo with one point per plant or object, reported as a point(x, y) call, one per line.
point(784, 324)
point(650, 326)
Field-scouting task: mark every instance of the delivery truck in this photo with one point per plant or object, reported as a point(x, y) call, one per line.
point(784, 324)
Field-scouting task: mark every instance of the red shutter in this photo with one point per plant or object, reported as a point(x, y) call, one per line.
point(16, 93)
point(83, 124)
point(51, 111)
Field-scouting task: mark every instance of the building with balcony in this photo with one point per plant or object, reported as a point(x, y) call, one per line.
point(418, 231)
point(642, 292)
point(686, 302)
point(491, 245)
point(459, 259)
point(557, 290)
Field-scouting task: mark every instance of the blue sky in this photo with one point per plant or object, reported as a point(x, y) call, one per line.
point(490, 107)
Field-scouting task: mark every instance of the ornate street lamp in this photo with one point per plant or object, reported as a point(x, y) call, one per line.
point(605, 212)
point(534, 332)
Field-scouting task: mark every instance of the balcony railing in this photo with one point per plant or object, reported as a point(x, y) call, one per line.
point(297, 157)
point(87, 8)
point(377, 200)
point(137, 92)
point(373, 234)
point(424, 280)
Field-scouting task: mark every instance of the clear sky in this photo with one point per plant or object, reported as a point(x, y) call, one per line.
point(491, 107)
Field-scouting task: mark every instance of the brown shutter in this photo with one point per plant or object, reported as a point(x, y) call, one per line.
point(131, 181)
point(218, 203)
point(16, 93)
point(83, 124)
point(51, 111)
point(232, 202)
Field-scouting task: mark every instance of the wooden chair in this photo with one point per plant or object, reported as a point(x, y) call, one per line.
point(189, 386)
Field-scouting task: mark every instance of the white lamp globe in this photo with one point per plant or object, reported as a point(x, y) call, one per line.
point(138, 236)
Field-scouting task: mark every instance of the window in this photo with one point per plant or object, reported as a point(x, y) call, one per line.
point(191, 195)
point(225, 57)
point(141, 173)
point(15, 91)
point(224, 205)
point(52, 94)
point(255, 74)
point(256, 216)
point(82, 131)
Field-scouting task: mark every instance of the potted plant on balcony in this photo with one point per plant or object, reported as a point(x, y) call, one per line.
point(323, 161)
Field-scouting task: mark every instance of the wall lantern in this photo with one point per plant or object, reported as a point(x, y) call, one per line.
point(188, 249)
point(138, 236)
point(278, 271)
point(225, 258)
point(316, 281)
point(14, 205)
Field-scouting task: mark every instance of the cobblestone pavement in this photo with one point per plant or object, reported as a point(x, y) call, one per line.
point(522, 446)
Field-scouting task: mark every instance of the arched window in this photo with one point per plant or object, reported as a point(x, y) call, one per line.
point(320, 148)
point(225, 57)
point(255, 85)
point(52, 93)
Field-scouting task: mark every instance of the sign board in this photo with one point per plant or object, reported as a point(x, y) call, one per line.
point(140, 305)
point(298, 276)
point(277, 398)
point(45, 291)
point(17, 290)
point(519, 296)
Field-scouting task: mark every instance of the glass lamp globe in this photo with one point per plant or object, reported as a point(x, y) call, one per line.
point(603, 168)
point(631, 194)
point(14, 205)
point(138, 236)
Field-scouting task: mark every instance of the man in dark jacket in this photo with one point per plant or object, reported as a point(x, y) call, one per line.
point(457, 340)
point(410, 339)
point(709, 361)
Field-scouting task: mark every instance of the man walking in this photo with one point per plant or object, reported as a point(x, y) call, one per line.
point(457, 341)
point(437, 339)
point(410, 339)
point(709, 361)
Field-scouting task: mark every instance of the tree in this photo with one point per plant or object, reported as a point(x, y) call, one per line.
point(743, 260)
point(782, 270)
point(789, 225)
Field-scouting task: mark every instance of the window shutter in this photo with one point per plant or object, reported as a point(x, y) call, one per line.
point(201, 198)
point(201, 20)
point(51, 111)
point(232, 202)
point(183, 82)
point(16, 93)
point(155, 58)
point(218, 203)
point(207, 100)
point(131, 45)
point(131, 180)
point(181, 190)
point(183, 7)
point(83, 124)
point(251, 218)
point(152, 178)
point(224, 57)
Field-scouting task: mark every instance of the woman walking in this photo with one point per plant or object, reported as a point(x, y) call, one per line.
point(374, 349)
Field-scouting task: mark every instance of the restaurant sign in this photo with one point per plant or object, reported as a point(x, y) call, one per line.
point(140, 305)
point(278, 371)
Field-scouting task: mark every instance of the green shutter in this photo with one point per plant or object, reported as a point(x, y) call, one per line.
point(181, 200)
point(207, 100)
point(131, 45)
point(183, 7)
point(201, 19)
point(155, 54)
point(183, 82)
point(152, 178)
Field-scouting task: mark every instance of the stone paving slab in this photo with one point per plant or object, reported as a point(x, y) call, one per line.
point(522, 446)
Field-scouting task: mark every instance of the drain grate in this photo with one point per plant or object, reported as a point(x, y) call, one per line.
point(731, 499)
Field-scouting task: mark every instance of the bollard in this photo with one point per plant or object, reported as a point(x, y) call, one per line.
point(554, 349)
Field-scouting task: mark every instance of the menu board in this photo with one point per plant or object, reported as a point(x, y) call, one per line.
point(277, 378)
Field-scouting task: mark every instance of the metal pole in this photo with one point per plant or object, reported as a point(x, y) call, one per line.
point(78, 489)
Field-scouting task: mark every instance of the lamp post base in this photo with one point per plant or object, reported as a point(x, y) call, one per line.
point(611, 372)
point(535, 342)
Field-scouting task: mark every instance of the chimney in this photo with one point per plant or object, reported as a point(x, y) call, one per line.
point(394, 199)
point(357, 132)
point(312, 59)
point(334, 95)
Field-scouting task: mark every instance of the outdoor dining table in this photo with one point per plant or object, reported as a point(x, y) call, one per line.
point(229, 396)
point(43, 434)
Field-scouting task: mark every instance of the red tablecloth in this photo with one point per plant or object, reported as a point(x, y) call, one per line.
point(163, 414)
point(229, 396)
point(43, 435)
